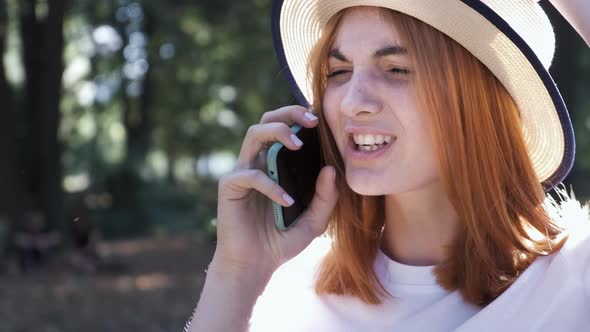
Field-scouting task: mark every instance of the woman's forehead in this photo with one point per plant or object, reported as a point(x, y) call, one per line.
point(365, 27)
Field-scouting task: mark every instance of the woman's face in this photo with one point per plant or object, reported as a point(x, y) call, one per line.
point(370, 95)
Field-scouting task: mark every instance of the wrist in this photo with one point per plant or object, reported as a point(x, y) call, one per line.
point(228, 297)
point(254, 276)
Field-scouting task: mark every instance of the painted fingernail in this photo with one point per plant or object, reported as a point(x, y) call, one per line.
point(296, 140)
point(310, 116)
point(288, 199)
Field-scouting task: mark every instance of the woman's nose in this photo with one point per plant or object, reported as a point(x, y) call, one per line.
point(360, 98)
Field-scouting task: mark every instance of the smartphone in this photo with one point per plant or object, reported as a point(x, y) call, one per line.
point(296, 171)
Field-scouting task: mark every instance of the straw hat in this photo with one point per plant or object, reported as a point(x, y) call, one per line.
point(513, 38)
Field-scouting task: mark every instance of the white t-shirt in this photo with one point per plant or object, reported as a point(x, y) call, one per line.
point(552, 294)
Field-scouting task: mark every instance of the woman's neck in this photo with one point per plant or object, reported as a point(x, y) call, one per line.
point(419, 225)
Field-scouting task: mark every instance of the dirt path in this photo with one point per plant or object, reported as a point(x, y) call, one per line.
point(154, 289)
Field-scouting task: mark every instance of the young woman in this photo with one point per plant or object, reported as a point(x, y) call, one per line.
point(443, 131)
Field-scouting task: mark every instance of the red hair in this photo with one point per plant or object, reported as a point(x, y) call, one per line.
point(483, 164)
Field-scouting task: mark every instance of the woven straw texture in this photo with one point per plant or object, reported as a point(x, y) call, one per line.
point(301, 23)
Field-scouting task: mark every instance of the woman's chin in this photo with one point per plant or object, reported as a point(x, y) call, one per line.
point(372, 183)
point(366, 185)
point(366, 191)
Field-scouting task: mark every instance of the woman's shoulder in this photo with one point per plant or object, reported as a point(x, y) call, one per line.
point(301, 269)
point(574, 217)
point(291, 286)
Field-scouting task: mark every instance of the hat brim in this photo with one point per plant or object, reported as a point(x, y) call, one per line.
point(547, 129)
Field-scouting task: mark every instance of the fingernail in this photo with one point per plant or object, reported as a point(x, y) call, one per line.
point(288, 199)
point(310, 116)
point(296, 140)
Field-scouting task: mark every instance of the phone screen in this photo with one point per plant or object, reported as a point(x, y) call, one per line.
point(298, 171)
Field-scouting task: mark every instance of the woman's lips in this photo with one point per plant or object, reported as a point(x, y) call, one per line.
point(353, 153)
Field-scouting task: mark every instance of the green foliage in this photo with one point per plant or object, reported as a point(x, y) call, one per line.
point(212, 72)
point(582, 120)
point(153, 89)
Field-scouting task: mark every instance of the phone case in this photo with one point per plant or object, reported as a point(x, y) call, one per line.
point(273, 173)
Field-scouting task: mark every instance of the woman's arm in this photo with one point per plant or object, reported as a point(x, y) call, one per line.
point(577, 13)
point(227, 299)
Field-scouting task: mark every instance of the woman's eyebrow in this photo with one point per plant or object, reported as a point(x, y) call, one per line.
point(388, 50)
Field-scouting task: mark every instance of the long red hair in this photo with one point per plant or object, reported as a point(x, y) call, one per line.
point(483, 164)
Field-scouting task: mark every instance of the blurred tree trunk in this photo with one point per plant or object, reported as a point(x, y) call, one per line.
point(138, 119)
point(42, 39)
point(11, 187)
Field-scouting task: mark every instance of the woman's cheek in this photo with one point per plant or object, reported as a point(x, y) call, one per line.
point(330, 109)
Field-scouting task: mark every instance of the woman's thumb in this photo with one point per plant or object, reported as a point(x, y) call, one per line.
point(315, 219)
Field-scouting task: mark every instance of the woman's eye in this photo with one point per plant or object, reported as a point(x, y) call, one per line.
point(402, 71)
point(394, 70)
point(337, 72)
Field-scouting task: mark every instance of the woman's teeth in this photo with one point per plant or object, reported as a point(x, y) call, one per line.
point(368, 142)
point(368, 139)
point(370, 147)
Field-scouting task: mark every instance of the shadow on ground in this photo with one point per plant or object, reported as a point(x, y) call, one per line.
point(151, 285)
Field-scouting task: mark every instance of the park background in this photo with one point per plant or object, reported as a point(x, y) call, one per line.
point(117, 119)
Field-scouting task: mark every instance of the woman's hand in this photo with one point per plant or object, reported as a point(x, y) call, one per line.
point(247, 237)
